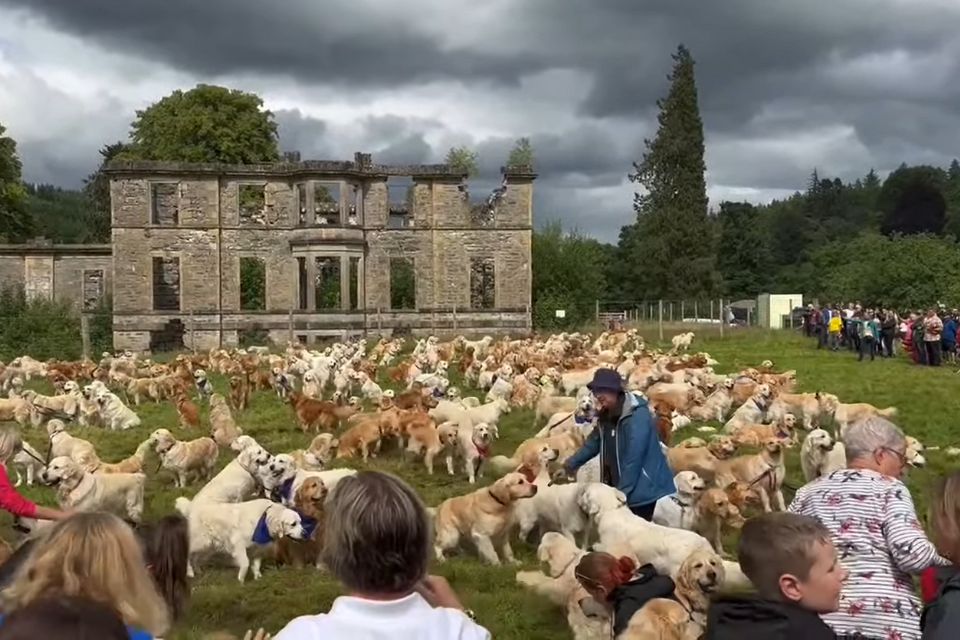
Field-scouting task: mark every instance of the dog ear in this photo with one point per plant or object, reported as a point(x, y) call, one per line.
point(527, 473)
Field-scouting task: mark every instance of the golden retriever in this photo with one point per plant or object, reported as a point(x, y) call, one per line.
point(700, 575)
point(308, 501)
point(714, 510)
point(763, 471)
point(196, 458)
point(223, 429)
point(484, 516)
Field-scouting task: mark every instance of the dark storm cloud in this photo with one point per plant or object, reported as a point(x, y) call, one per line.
point(337, 42)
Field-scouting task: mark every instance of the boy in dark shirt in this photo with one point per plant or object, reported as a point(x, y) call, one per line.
point(792, 563)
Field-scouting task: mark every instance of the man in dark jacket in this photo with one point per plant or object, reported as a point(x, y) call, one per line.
point(626, 439)
point(941, 619)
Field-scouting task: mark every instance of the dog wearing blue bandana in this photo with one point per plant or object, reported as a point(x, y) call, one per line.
point(241, 528)
point(308, 501)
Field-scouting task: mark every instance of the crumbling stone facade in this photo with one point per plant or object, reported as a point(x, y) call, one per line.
point(327, 234)
point(79, 274)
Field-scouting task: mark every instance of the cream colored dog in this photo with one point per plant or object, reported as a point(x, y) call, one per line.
point(484, 516)
point(186, 459)
point(223, 429)
point(119, 493)
point(116, 415)
point(77, 449)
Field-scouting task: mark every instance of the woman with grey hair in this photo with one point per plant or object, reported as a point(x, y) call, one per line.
point(10, 500)
point(377, 544)
point(870, 514)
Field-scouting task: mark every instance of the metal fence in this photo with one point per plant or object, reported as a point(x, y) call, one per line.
point(718, 314)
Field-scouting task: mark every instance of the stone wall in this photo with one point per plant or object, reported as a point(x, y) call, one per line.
point(211, 237)
point(55, 271)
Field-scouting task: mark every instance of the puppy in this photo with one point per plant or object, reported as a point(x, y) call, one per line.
point(118, 493)
point(700, 576)
point(679, 510)
point(484, 516)
point(196, 458)
point(308, 501)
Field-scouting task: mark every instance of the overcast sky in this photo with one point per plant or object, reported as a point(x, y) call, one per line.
point(785, 85)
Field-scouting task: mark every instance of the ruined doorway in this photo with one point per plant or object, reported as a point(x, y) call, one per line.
point(169, 339)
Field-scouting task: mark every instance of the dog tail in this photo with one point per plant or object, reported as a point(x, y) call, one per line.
point(502, 465)
point(889, 412)
point(183, 506)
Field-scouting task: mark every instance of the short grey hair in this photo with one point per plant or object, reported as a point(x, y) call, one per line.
point(378, 537)
point(863, 438)
point(10, 443)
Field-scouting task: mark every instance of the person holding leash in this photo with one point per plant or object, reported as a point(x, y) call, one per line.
point(625, 438)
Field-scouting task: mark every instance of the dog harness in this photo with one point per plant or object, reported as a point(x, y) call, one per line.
point(261, 533)
point(683, 506)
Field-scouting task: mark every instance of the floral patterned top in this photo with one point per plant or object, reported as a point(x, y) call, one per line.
point(880, 542)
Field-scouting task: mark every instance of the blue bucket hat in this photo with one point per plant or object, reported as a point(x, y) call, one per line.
point(606, 380)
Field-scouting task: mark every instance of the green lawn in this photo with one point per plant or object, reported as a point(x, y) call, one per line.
point(928, 401)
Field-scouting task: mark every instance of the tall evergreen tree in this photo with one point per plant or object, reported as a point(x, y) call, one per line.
point(16, 223)
point(673, 252)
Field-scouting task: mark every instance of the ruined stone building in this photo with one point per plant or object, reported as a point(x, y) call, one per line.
point(77, 273)
point(205, 255)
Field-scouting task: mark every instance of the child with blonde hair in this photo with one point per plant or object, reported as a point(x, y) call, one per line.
point(96, 556)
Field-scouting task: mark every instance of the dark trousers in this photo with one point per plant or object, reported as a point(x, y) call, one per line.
point(934, 351)
point(887, 344)
point(866, 346)
point(644, 511)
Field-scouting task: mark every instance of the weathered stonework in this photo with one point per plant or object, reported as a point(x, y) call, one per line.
point(57, 271)
point(290, 225)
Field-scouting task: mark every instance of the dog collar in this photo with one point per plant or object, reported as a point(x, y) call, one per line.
point(578, 419)
point(501, 502)
point(282, 493)
point(483, 451)
point(261, 533)
point(683, 505)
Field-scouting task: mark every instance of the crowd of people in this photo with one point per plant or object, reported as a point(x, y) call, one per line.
point(927, 337)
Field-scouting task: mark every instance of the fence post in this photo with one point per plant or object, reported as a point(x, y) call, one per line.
point(749, 313)
point(711, 309)
point(193, 333)
point(290, 326)
point(85, 335)
point(660, 319)
point(671, 311)
point(379, 322)
point(723, 319)
point(790, 311)
point(681, 310)
point(596, 311)
point(454, 317)
point(696, 311)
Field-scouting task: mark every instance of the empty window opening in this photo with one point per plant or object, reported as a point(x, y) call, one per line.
point(326, 203)
point(253, 284)
point(165, 203)
point(327, 285)
point(166, 284)
point(92, 288)
point(400, 198)
point(302, 203)
point(302, 282)
point(483, 214)
point(483, 287)
point(354, 284)
point(403, 284)
point(252, 203)
point(355, 207)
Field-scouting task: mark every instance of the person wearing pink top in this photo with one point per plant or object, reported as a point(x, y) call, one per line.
point(10, 500)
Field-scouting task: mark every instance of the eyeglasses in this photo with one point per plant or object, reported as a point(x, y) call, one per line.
point(902, 457)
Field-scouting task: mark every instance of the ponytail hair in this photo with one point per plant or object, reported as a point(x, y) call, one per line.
point(166, 547)
point(599, 569)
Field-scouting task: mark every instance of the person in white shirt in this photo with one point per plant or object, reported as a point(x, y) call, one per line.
point(377, 544)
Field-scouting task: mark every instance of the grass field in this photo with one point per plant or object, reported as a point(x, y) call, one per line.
point(928, 401)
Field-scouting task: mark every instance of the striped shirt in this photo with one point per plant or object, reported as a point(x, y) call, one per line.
point(880, 542)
